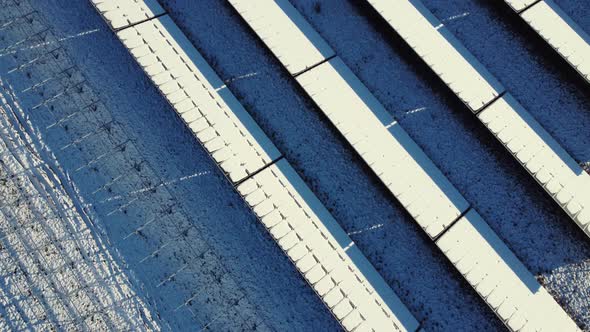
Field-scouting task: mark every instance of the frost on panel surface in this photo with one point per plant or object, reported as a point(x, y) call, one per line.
point(122, 13)
point(323, 253)
point(282, 28)
point(439, 48)
point(500, 278)
point(396, 159)
point(200, 98)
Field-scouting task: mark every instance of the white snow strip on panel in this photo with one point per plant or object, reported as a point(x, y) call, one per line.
point(323, 253)
point(562, 33)
point(520, 5)
point(439, 48)
point(122, 13)
point(500, 278)
point(200, 98)
point(282, 28)
point(542, 156)
point(398, 161)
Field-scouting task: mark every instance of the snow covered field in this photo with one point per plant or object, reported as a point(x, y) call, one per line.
point(165, 241)
point(57, 274)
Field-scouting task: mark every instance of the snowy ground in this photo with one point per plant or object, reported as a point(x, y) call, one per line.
point(193, 254)
point(56, 274)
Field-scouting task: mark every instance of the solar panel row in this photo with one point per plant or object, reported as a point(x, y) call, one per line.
point(469, 78)
point(561, 33)
point(470, 244)
point(322, 252)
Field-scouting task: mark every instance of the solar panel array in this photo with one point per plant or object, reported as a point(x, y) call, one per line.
point(319, 248)
point(471, 245)
point(536, 151)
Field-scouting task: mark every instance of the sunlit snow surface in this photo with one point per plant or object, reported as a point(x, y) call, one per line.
point(185, 243)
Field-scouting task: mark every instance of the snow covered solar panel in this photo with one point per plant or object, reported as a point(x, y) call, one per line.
point(500, 278)
point(323, 253)
point(282, 28)
point(542, 156)
point(433, 202)
point(551, 163)
point(351, 288)
point(398, 161)
point(519, 5)
point(437, 46)
point(200, 98)
point(562, 33)
point(122, 13)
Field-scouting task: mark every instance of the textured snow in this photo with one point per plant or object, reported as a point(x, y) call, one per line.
point(56, 272)
point(243, 263)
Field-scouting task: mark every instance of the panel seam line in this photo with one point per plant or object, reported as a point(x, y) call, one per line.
point(251, 175)
point(469, 208)
point(140, 22)
point(528, 7)
point(484, 107)
point(315, 65)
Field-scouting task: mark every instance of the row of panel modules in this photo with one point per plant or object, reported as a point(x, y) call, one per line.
point(307, 233)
